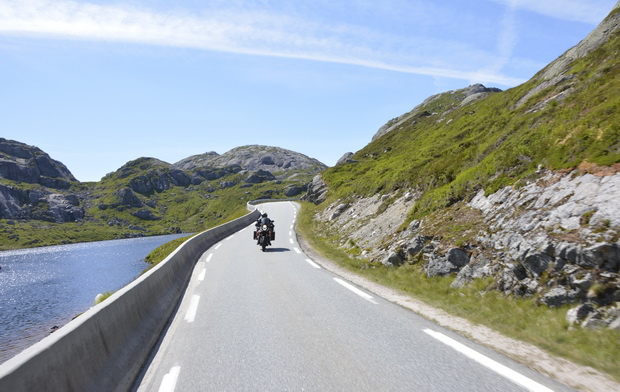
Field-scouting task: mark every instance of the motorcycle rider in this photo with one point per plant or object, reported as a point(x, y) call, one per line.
point(264, 220)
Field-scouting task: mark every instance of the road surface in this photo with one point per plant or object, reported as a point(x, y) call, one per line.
point(277, 321)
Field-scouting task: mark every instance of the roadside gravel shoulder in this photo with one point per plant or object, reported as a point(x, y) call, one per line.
point(576, 376)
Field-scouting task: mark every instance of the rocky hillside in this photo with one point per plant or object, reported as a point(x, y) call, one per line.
point(41, 203)
point(519, 187)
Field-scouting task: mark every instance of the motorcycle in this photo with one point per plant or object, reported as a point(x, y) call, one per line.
point(264, 234)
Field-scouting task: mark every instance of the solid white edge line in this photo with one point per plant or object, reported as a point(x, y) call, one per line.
point(169, 383)
point(209, 257)
point(202, 275)
point(487, 362)
point(357, 291)
point(297, 250)
point(193, 308)
point(312, 263)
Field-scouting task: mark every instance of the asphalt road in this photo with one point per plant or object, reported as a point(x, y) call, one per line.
point(276, 321)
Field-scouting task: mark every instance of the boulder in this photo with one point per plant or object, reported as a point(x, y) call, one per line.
point(317, 190)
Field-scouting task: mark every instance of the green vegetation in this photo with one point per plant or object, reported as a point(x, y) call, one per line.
point(103, 297)
point(453, 152)
point(160, 253)
point(518, 318)
point(145, 211)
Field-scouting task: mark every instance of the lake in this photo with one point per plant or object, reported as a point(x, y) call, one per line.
point(45, 287)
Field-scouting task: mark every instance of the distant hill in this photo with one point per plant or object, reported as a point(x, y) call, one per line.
point(41, 203)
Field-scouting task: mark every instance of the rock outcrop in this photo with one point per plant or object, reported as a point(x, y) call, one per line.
point(279, 162)
point(22, 163)
point(443, 102)
point(556, 239)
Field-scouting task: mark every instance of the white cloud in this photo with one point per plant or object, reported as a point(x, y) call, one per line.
point(584, 11)
point(247, 32)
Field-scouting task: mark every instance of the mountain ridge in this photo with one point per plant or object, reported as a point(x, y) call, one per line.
point(41, 203)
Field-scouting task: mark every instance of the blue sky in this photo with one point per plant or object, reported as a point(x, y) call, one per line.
point(98, 83)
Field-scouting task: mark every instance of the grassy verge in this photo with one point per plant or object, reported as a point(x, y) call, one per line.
point(517, 318)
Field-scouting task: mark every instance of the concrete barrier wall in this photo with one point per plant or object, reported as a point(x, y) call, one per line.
point(104, 348)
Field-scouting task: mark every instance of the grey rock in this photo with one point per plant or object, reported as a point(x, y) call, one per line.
point(394, 259)
point(145, 215)
point(127, 197)
point(346, 158)
point(558, 296)
point(577, 314)
point(338, 211)
point(447, 264)
point(317, 190)
point(605, 256)
point(458, 257)
point(537, 263)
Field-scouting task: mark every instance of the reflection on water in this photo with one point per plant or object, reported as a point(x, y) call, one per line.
point(45, 287)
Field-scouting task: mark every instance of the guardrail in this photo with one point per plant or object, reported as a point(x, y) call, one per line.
point(104, 348)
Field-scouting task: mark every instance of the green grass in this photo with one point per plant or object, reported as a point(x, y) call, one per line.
point(492, 143)
point(161, 252)
point(521, 319)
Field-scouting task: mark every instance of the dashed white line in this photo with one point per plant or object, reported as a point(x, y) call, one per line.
point(297, 250)
point(209, 257)
point(290, 233)
point(193, 308)
point(230, 238)
point(485, 361)
point(169, 383)
point(357, 291)
point(291, 241)
point(217, 246)
point(312, 263)
point(202, 275)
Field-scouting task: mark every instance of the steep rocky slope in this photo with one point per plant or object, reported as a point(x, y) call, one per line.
point(520, 187)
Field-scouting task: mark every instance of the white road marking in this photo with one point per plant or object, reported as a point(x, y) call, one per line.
point(230, 238)
point(487, 362)
point(169, 383)
point(357, 291)
point(193, 308)
point(312, 263)
point(209, 257)
point(297, 250)
point(291, 240)
point(290, 233)
point(202, 275)
point(217, 246)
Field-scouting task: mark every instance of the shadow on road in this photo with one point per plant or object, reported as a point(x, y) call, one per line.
point(277, 250)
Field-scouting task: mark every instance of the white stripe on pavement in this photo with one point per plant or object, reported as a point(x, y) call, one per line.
point(312, 263)
point(193, 308)
point(357, 291)
point(169, 383)
point(297, 250)
point(498, 368)
point(202, 275)
point(209, 257)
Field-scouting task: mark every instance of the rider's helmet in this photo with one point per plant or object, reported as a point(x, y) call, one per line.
point(264, 215)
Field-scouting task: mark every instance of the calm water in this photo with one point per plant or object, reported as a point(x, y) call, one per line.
point(45, 287)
